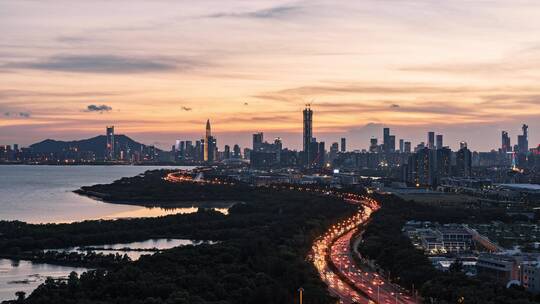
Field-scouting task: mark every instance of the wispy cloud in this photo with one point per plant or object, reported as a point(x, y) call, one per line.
point(187, 109)
point(17, 114)
point(98, 108)
point(276, 12)
point(104, 64)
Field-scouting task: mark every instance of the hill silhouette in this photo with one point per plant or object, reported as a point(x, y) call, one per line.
point(95, 144)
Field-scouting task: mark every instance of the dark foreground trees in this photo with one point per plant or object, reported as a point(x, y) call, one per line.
point(260, 256)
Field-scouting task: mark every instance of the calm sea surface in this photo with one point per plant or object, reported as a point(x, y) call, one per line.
point(43, 194)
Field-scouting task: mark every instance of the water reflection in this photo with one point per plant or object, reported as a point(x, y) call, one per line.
point(26, 276)
point(157, 211)
point(135, 250)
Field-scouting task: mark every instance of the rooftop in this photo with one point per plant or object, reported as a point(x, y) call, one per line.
point(532, 187)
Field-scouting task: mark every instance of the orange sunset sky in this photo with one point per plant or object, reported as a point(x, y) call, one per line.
point(158, 69)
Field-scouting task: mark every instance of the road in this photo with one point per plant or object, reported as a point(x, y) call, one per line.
point(331, 253)
point(345, 279)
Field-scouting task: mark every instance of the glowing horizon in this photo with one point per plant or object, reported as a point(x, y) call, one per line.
point(158, 70)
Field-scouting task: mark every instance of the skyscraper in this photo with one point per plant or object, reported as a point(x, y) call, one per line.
point(373, 145)
point(209, 146)
point(463, 161)
point(308, 134)
point(391, 143)
point(431, 140)
point(523, 140)
point(439, 141)
point(227, 152)
point(407, 147)
point(334, 148)
point(258, 139)
point(321, 153)
point(505, 142)
point(236, 151)
point(386, 139)
point(110, 155)
point(343, 144)
point(401, 146)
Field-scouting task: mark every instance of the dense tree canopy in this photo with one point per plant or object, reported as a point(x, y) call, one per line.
point(260, 256)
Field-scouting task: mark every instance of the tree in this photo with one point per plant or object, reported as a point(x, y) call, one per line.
point(21, 295)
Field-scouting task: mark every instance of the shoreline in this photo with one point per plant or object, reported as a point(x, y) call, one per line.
point(164, 204)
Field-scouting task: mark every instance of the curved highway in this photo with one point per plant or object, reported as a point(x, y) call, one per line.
point(334, 260)
point(331, 253)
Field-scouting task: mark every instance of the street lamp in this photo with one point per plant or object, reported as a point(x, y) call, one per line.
point(301, 291)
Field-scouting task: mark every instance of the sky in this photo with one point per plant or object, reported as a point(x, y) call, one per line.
point(156, 70)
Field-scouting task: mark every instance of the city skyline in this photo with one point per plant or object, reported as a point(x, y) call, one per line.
point(362, 66)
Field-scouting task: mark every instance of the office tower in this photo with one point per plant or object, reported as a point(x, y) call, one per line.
point(373, 145)
point(386, 139)
point(391, 143)
point(110, 155)
point(431, 140)
point(343, 144)
point(258, 139)
point(401, 146)
point(523, 140)
point(407, 147)
point(463, 162)
point(236, 151)
point(308, 133)
point(462, 145)
point(439, 141)
point(506, 146)
point(227, 152)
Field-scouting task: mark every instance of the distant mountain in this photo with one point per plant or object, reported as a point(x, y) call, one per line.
point(95, 144)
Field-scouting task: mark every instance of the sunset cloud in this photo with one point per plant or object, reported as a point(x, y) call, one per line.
point(101, 64)
point(251, 66)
